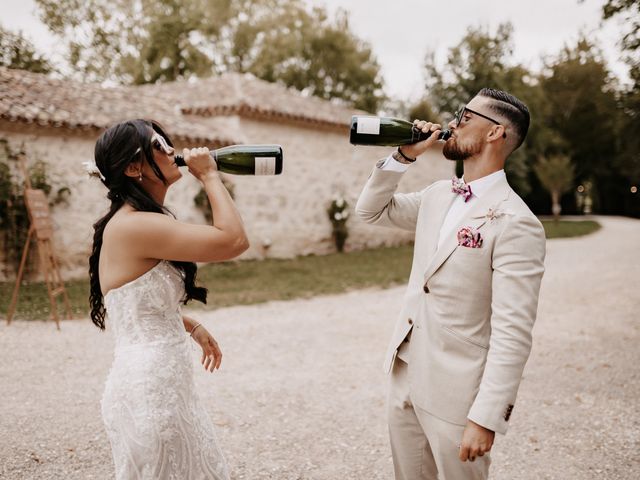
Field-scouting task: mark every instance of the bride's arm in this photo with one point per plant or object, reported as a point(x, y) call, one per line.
point(211, 354)
point(189, 323)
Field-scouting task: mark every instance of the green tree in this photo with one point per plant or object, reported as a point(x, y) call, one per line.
point(479, 60)
point(148, 41)
point(582, 109)
point(629, 10)
point(18, 52)
point(140, 41)
point(306, 50)
point(556, 174)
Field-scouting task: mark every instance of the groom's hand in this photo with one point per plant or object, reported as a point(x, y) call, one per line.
point(417, 149)
point(476, 441)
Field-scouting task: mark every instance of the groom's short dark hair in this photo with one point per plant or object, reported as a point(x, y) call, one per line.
point(509, 107)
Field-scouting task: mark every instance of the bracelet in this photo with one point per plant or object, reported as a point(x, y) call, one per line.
point(193, 330)
point(410, 160)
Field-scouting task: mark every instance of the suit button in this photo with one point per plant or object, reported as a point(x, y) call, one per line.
point(425, 288)
point(410, 321)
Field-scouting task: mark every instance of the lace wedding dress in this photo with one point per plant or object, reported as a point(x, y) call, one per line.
point(155, 422)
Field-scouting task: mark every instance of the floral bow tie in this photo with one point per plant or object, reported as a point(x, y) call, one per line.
point(458, 186)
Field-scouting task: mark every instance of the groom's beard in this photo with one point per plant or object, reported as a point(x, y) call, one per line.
point(453, 151)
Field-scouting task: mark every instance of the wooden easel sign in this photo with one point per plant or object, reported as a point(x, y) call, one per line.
point(42, 227)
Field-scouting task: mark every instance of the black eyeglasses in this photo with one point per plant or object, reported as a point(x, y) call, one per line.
point(460, 113)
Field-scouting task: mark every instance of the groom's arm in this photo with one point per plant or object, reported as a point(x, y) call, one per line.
point(379, 204)
point(518, 265)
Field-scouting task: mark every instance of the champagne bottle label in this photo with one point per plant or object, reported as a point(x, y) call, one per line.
point(369, 125)
point(265, 165)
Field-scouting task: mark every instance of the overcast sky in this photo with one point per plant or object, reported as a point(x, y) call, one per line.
point(400, 31)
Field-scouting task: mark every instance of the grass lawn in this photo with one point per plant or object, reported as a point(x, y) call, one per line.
point(250, 281)
point(569, 228)
point(255, 281)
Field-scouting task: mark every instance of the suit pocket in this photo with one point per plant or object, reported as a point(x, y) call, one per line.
point(463, 338)
point(469, 252)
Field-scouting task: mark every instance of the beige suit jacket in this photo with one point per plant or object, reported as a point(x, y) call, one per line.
point(470, 311)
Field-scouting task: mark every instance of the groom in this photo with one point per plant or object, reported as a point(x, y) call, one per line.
point(464, 334)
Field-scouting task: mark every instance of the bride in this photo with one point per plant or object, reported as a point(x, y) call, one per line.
point(141, 268)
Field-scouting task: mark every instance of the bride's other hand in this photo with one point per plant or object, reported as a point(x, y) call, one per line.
point(211, 354)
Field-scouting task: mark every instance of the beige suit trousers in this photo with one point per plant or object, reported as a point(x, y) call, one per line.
point(425, 447)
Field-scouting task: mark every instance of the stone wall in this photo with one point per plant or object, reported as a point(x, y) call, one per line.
point(63, 152)
point(284, 215)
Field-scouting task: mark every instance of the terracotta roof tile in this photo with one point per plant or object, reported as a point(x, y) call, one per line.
point(246, 95)
point(35, 98)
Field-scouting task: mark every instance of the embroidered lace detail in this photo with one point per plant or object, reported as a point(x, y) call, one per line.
point(153, 417)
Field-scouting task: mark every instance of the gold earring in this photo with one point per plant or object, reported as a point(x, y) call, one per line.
point(140, 177)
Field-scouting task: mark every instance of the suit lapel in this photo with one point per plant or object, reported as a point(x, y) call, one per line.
point(473, 218)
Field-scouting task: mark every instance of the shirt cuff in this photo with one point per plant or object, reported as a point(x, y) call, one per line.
point(392, 165)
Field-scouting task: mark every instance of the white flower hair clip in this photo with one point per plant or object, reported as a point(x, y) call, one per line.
point(92, 170)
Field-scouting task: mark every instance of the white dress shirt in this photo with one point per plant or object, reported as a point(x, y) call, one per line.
point(459, 207)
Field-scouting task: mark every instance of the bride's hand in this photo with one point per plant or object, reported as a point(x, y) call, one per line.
point(211, 354)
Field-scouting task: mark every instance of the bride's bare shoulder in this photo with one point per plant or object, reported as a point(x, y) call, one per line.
point(127, 222)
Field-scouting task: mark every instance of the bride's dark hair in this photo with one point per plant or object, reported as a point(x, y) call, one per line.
point(116, 148)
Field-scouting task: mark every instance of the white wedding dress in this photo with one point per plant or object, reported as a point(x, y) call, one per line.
point(155, 422)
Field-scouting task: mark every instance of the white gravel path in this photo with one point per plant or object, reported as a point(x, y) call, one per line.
point(301, 392)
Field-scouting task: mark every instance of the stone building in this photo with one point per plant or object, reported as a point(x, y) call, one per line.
point(57, 121)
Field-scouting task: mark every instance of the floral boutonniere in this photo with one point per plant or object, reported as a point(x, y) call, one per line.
point(494, 213)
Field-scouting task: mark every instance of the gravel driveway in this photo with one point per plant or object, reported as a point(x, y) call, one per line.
point(301, 392)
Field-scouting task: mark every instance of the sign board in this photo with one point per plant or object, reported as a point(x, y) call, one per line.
point(38, 208)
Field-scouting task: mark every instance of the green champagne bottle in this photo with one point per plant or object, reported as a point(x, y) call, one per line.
point(245, 159)
point(387, 131)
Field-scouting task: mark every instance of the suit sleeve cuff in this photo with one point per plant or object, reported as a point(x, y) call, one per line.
point(491, 416)
point(392, 165)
